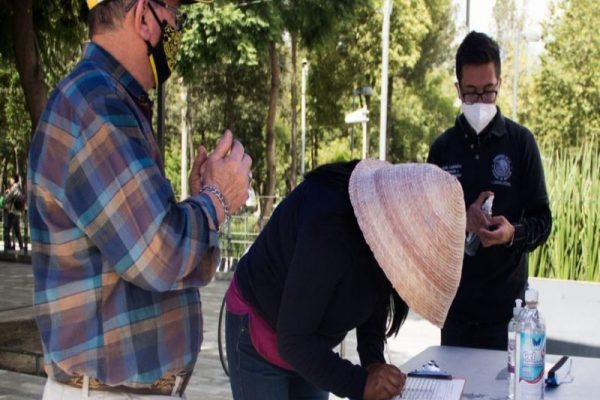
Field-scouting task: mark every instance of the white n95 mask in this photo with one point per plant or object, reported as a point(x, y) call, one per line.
point(479, 115)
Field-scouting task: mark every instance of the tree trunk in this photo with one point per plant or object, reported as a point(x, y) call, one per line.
point(314, 155)
point(294, 106)
point(273, 99)
point(389, 123)
point(29, 63)
point(228, 104)
point(3, 175)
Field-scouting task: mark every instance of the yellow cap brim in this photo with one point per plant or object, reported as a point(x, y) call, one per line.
point(93, 3)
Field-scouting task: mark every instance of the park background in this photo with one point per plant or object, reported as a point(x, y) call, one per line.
point(241, 67)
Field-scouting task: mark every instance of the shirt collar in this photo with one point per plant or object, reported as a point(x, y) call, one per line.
point(497, 127)
point(96, 54)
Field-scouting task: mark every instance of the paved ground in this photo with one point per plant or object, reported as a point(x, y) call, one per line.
point(570, 309)
point(209, 381)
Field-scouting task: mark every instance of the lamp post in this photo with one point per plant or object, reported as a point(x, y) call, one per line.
point(385, 45)
point(303, 118)
point(468, 21)
point(361, 116)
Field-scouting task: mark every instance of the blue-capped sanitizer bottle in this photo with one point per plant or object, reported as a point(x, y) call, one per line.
point(531, 351)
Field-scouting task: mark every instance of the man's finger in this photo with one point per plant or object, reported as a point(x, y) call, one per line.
point(247, 161)
point(201, 157)
point(482, 197)
point(224, 145)
point(237, 150)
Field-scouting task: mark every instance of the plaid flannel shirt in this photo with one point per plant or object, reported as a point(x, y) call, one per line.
point(117, 262)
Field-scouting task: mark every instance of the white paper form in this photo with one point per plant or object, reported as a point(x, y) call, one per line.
point(432, 389)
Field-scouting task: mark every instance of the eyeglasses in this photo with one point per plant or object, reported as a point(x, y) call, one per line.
point(487, 96)
point(179, 16)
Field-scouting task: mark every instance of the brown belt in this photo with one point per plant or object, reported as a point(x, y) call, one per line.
point(163, 386)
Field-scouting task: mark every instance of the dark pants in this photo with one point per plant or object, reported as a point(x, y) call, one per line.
point(471, 334)
point(12, 223)
point(253, 378)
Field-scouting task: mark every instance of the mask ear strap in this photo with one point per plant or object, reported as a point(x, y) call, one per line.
point(161, 24)
point(154, 71)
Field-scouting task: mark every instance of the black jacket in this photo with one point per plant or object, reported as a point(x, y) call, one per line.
point(505, 159)
point(312, 277)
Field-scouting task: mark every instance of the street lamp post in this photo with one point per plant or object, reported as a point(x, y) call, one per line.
point(385, 45)
point(468, 21)
point(303, 122)
point(361, 116)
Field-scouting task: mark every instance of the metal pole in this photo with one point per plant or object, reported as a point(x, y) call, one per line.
point(515, 98)
point(385, 37)
point(364, 139)
point(184, 140)
point(303, 120)
point(468, 15)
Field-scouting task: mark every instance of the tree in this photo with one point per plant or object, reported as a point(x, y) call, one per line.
point(39, 42)
point(41, 39)
point(15, 124)
point(243, 35)
point(422, 95)
point(567, 87)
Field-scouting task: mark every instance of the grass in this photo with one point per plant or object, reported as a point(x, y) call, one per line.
point(572, 250)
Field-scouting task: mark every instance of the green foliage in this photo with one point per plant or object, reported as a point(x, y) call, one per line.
point(421, 113)
point(15, 123)
point(421, 51)
point(567, 87)
point(223, 34)
point(572, 251)
point(58, 35)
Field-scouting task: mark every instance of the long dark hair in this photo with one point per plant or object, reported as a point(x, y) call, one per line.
point(397, 312)
point(337, 175)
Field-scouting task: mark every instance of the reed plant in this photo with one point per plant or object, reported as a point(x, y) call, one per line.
point(573, 181)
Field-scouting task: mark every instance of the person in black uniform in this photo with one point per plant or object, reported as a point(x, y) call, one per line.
point(491, 155)
point(351, 247)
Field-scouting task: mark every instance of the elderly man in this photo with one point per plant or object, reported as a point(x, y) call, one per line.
point(117, 261)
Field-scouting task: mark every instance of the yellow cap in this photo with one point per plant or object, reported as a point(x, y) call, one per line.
point(93, 3)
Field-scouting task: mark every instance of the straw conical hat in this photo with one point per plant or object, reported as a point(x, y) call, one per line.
point(413, 218)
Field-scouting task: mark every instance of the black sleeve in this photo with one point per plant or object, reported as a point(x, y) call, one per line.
point(432, 156)
point(370, 336)
point(315, 271)
point(534, 229)
point(536, 222)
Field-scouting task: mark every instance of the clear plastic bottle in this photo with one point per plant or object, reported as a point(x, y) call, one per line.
point(472, 241)
point(512, 344)
point(531, 351)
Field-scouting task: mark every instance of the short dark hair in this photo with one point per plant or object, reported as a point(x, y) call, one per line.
point(107, 15)
point(476, 49)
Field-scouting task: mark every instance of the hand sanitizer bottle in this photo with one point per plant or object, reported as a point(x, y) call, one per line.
point(531, 351)
point(512, 338)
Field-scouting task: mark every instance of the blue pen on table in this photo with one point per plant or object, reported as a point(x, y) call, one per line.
point(429, 374)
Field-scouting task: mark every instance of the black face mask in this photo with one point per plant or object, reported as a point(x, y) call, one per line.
point(164, 55)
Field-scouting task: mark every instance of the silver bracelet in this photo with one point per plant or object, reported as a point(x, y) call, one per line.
point(218, 195)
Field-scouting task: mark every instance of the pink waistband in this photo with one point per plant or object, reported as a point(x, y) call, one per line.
point(264, 338)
